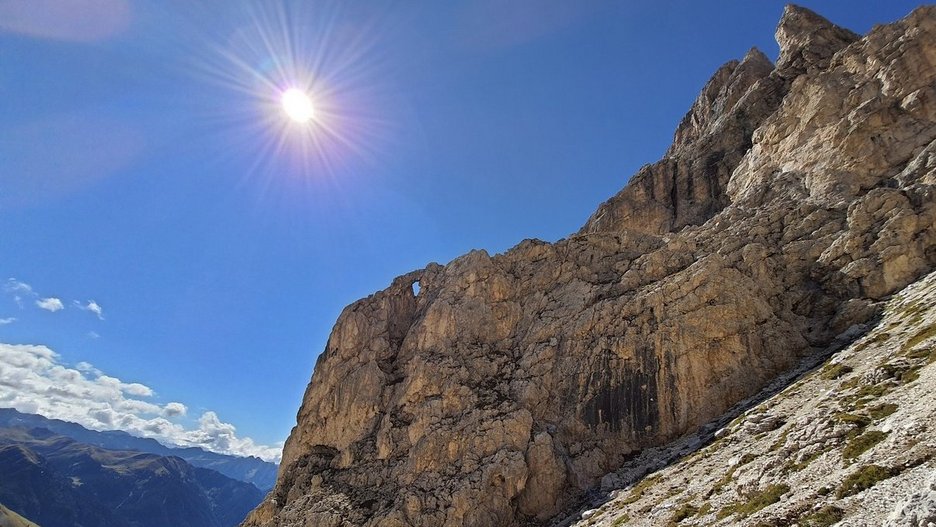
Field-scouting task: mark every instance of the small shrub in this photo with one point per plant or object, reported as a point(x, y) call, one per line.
point(864, 478)
point(704, 509)
point(747, 458)
point(824, 491)
point(860, 444)
point(621, 520)
point(824, 517)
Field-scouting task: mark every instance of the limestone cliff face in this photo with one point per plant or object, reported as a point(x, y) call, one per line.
point(794, 198)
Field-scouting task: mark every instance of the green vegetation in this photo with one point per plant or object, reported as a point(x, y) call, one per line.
point(882, 410)
point(864, 395)
point(876, 339)
point(835, 371)
point(723, 481)
point(755, 501)
point(621, 520)
point(860, 444)
point(687, 510)
point(778, 444)
point(925, 333)
point(864, 478)
point(704, 509)
point(824, 517)
point(747, 458)
point(792, 466)
point(923, 353)
point(640, 488)
point(904, 373)
point(858, 421)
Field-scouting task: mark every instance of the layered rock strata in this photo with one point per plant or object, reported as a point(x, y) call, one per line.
point(795, 197)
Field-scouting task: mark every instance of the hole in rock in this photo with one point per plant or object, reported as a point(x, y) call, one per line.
point(416, 288)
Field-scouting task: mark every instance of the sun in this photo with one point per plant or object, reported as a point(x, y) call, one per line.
point(298, 105)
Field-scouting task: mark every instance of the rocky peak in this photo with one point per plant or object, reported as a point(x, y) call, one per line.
point(807, 41)
point(512, 384)
point(687, 186)
point(719, 96)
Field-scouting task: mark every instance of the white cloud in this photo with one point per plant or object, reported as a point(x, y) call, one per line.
point(93, 307)
point(8, 320)
point(15, 286)
point(50, 304)
point(93, 335)
point(18, 289)
point(175, 410)
point(33, 380)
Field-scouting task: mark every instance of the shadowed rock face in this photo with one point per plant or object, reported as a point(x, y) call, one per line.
point(793, 198)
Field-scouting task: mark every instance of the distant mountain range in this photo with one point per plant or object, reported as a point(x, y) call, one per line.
point(57, 481)
point(249, 469)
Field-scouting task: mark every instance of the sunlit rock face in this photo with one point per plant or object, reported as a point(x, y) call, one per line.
point(792, 199)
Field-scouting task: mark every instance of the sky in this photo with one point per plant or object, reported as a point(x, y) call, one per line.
point(175, 250)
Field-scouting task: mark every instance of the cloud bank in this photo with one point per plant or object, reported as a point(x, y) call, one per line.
point(33, 380)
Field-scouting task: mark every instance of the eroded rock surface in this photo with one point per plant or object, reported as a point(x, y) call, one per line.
point(850, 443)
point(792, 200)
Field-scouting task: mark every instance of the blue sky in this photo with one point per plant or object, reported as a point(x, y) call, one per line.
point(145, 166)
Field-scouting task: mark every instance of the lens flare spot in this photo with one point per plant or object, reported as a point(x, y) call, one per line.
point(298, 105)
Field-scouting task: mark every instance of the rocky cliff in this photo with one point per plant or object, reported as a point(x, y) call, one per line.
point(850, 442)
point(796, 197)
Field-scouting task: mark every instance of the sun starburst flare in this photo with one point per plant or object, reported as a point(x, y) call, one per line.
point(298, 105)
point(305, 102)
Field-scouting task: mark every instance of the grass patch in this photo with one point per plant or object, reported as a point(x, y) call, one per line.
point(873, 390)
point(920, 336)
point(923, 353)
point(904, 373)
point(860, 444)
point(723, 481)
point(621, 520)
point(704, 509)
point(686, 511)
point(835, 371)
point(755, 501)
point(640, 489)
point(824, 517)
point(862, 479)
point(881, 411)
point(747, 458)
point(858, 421)
point(803, 463)
point(865, 395)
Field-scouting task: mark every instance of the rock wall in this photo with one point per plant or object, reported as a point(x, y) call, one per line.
point(794, 197)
